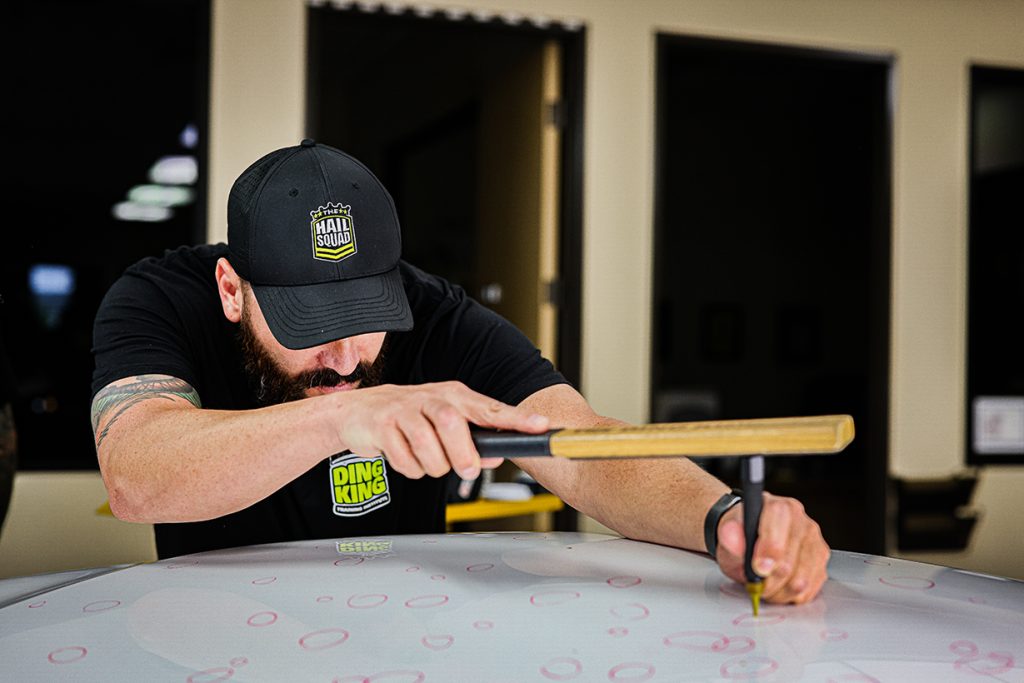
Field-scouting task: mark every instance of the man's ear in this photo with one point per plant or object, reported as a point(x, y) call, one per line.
point(229, 285)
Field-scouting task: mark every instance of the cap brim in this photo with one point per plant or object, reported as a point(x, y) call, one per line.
point(304, 316)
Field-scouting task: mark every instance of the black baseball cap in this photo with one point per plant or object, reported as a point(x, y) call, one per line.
point(317, 236)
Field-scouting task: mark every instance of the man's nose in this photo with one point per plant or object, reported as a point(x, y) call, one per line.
point(341, 356)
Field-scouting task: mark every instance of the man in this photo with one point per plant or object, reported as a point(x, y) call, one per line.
point(303, 382)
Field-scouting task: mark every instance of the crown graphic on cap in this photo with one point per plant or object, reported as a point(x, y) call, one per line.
point(334, 236)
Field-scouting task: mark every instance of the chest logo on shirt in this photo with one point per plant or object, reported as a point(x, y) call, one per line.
point(334, 234)
point(358, 485)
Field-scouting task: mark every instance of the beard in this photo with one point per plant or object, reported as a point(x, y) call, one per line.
point(273, 385)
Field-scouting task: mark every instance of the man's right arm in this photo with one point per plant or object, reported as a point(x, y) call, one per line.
point(164, 458)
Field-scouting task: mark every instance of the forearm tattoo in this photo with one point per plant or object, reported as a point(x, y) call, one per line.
point(8, 435)
point(115, 399)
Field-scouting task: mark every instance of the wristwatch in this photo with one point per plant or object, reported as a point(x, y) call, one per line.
point(714, 515)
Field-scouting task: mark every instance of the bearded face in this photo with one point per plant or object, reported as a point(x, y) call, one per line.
point(274, 384)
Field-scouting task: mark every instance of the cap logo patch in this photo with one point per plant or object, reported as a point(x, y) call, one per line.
point(334, 236)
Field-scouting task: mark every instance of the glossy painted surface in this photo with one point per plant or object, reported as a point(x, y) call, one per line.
point(507, 607)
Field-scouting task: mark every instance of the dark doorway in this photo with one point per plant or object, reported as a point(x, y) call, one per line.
point(772, 234)
point(110, 109)
point(414, 95)
point(995, 289)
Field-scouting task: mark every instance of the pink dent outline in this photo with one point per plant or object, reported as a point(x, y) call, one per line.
point(613, 673)
point(53, 656)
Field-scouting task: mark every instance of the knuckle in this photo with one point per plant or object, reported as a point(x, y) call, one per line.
point(448, 417)
point(420, 438)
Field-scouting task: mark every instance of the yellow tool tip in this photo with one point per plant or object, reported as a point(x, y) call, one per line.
point(754, 590)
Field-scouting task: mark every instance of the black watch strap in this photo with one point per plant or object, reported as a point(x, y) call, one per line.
point(714, 515)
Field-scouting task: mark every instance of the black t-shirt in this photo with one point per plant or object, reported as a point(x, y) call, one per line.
point(164, 316)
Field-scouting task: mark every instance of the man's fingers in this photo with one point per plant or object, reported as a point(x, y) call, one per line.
point(489, 412)
point(453, 432)
point(811, 573)
point(400, 457)
point(790, 551)
point(773, 547)
point(424, 443)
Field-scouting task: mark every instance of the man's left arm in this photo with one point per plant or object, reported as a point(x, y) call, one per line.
point(665, 501)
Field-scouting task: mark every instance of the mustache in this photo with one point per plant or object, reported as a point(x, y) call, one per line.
point(326, 377)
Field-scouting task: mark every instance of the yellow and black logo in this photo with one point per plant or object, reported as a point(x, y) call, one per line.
point(358, 485)
point(334, 235)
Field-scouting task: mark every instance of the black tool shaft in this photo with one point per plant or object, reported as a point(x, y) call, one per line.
point(752, 475)
point(494, 444)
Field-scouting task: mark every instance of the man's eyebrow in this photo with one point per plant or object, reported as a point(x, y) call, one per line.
point(114, 399)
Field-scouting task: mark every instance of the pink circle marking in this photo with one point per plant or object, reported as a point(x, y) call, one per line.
point(34, 605)
point(1000, 663)
point(561, 669)
point(834, 634)
point(262, 619)
point(325, 598)
point(642, 672)
point(398, 677)
point(698, 641)
point(862, 678)
point(367, 600)
point(964, 648)
point(101, 605)
point(914, 583)
point(238, 662)
point(479, 567)
point(992, 664)
point(426, 601)
point(264, 580)
point(634, 611)
point(556, 597)
point(66, 655)
point(748, 667)
point(413, 569)
point(349, 561)
point(437, 642)
point(323, 639)
point(618, 631)
point(483, 625)
point(762, 620)
point(623, 581)
point(438, 577)
point(221, 673)
point(743, 643)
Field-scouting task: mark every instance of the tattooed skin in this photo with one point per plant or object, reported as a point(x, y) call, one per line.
point(113, 400)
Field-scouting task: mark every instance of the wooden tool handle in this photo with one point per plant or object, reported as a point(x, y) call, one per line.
point(773, 436)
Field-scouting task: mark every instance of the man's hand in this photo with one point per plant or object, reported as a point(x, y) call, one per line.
point(424, 429)
point(790, 551)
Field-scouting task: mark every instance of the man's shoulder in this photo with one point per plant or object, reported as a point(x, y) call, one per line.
point(426, 289)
